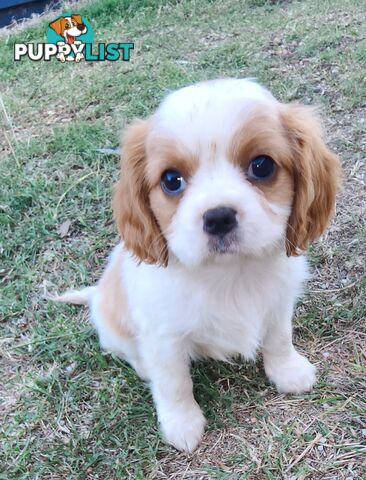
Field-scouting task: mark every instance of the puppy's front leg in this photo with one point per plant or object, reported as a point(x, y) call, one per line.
point(182, 422)
point(284, 366)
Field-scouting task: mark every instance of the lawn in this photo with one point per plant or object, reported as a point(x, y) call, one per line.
point(69, 410)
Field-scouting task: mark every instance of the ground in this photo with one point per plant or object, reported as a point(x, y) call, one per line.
point(70, 411)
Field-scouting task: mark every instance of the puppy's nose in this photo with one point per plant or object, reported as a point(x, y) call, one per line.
point(80, 27)
point(219, 221)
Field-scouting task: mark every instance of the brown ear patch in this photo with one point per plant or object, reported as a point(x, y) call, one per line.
point(316, 177)
point(77, 19)
point(58, 25)
point(132, 210)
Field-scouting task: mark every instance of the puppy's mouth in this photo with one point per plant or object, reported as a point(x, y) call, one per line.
point(70, 39)
point(223, 244)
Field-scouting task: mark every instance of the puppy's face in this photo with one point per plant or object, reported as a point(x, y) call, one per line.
point(222, 170)
point(69, 27)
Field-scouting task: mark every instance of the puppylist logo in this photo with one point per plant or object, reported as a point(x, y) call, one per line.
point(70, 39)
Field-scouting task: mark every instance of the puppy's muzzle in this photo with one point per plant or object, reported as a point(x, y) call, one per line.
point(219, 221)
point(81, 27)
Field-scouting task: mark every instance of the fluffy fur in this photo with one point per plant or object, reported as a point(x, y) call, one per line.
point(171, 293)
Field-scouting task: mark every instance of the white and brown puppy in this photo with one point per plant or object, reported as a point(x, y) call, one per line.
point(70, 28)
point(220, 191)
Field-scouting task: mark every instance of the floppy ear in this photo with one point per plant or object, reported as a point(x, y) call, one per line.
point(58, 25)
point(135, 220)
point(77, 19)
point(316, 175)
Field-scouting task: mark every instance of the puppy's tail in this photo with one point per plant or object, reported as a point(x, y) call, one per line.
point(77, 297)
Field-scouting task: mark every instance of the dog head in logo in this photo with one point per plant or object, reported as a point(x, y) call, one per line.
point(69, 27)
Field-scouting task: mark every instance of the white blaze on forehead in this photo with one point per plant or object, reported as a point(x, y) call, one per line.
point(209, 112)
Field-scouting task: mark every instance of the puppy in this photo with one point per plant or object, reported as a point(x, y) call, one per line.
point(220, 192)
point(69, 28)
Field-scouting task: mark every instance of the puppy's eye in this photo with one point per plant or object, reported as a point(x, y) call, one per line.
point(261, 168)
point(172, 182)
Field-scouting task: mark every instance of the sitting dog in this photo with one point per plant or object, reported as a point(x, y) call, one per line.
point(220, 192)
point(69, 28)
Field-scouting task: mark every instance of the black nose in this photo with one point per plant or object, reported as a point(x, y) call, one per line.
point(80, 27)
point(219, 221)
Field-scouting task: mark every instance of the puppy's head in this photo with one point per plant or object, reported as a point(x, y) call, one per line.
point(222, 170)
point(69, 27)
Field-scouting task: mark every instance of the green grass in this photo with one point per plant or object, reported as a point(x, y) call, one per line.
point(70, 411)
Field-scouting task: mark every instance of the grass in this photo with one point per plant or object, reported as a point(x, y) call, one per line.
point(70, 411)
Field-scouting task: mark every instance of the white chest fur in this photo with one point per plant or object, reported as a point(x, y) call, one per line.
point(218, 310)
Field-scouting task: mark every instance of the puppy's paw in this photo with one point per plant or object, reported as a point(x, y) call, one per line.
point(293, 374)
point(184, 428)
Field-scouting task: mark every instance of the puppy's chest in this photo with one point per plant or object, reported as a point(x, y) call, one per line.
point(220, 313)
point(228, 321)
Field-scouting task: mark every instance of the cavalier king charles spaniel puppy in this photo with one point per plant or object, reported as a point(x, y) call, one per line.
point(220, 192)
